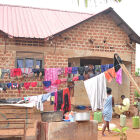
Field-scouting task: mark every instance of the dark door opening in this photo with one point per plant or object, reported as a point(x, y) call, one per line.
point(85, 62)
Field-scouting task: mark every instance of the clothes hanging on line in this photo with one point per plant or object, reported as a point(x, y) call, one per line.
point(119, 76)
point(96, 90)
point(51, 74)
point(116, 63)
point(45, 97)
point(36, 101)
point(110, 74)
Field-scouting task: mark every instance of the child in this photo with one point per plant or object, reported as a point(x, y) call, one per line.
point(107, 110)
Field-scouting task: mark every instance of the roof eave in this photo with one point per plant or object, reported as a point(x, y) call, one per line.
point(122, 24)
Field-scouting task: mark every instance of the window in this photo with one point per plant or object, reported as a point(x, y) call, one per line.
point(19, 63)
point(29, 60)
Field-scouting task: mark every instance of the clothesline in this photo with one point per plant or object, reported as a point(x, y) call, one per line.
point(46, 84)
point(99, 90)
point(96, 87)
point(15, 72)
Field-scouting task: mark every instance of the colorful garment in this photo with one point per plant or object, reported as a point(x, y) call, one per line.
point(107, 110)
point(55, 101)
point(112, 72)
point(45, 97)
point(76, 78)
point(81, 70)
point(119, 76)
point(51, 74)
point(27, 85)
point(47, 84)
point(69, 70)
point(66, 106)
point(26, 70)
point(4, 71)
point(74, 70)
point(104, 67)
point(15, 72)
point(107, 76)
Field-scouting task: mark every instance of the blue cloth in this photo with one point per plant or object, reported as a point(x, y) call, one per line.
point(107, 110)
point(81, 77)
point(9, 85)
point(47, 83)
point(53, 94)
point(74, 70)
point(45, 97)
point(104, 67)
point(111, 65)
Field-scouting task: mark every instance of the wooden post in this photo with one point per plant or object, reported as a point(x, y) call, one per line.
point(128, 74)
point(130, 77)
point(24, 130)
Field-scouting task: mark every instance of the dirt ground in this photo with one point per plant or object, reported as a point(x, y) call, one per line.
point(132, 134)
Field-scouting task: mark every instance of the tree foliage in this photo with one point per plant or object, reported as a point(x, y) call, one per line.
point(86, 1)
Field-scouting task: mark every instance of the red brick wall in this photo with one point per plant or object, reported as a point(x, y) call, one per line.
point(72, 43)
point(137, 79)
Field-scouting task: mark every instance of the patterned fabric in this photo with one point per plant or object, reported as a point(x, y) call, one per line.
point(74, 70)
point(107, 110)
point(51, 74)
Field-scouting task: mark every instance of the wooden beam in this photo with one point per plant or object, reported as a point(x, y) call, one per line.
point(130, 77)
point(128, 74)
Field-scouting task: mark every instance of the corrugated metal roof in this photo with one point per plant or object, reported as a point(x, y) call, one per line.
point(36, 23)
point(28, 22)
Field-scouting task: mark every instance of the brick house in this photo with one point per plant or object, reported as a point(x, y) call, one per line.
point(54, 38)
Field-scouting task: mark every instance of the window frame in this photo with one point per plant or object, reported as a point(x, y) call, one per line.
point(30, 57)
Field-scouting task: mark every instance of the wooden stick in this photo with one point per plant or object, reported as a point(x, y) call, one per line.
point(128, 74)
point(130, 77)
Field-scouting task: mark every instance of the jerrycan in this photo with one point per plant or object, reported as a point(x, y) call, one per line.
point(136, 122)
point(98, 116)
point(122, 120)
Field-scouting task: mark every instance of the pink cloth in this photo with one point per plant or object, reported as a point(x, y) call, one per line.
point(57, 82)
point(59, 71)
point(63, 80)
point(27, 85)
point(76, 78)
point(15, 72)
point(55, 102)
point(51, 74)
point(119, 76)
point(66, 71)
point(69, 70)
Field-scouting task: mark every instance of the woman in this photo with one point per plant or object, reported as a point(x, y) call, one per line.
point(107, 110)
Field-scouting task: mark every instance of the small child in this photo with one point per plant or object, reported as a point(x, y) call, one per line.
point(107, 110)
